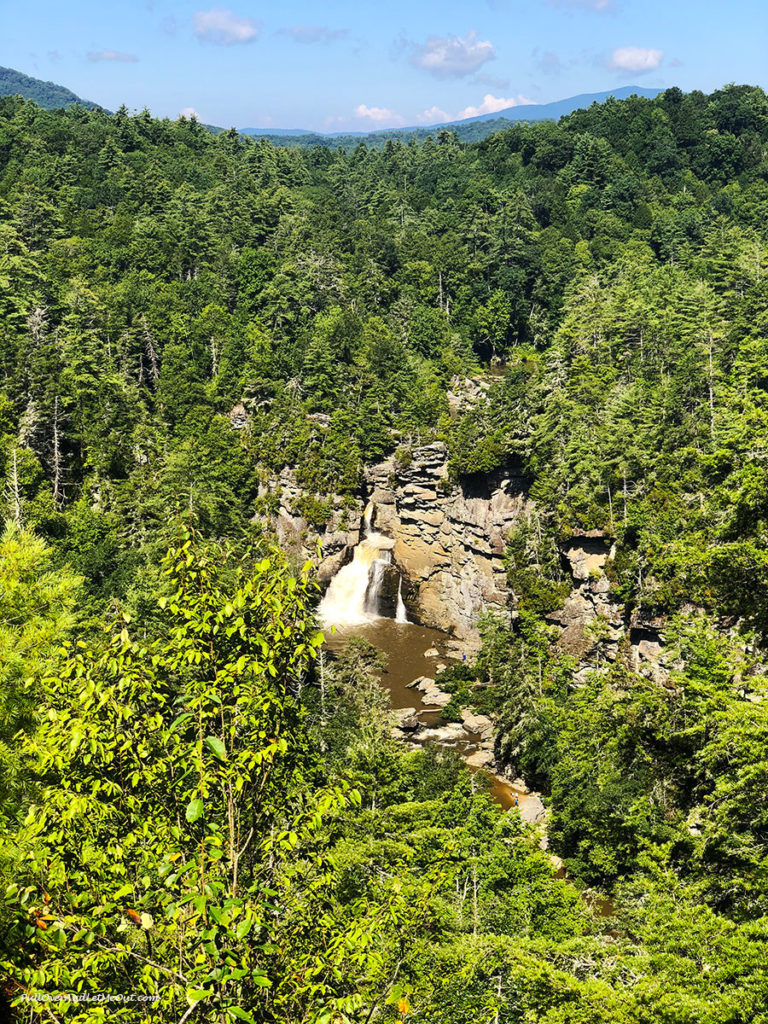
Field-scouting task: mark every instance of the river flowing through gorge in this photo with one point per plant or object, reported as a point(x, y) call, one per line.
point(365, 599)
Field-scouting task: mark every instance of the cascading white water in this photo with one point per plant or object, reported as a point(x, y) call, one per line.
point(368, 518)
point(375, 579)
point(401, 615)
point(351, 598)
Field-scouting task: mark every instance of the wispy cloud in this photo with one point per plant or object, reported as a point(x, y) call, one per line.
point(600, 6)
point(491, 81)
point(224, 28)
point(637, 59)
point(379, 115)
point(548, 63)
point(314, 33)
point(451, 56)
point(490, 104)
point(112, 55)
point(189, 112)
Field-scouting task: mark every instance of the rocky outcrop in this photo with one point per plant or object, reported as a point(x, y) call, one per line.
point(338, 536)
point(449, 539)
point(432, 694)
point(594, 625)
point(590, 619)
point(387, 591)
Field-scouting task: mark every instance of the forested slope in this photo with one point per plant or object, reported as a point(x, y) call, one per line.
point(154, 277)
point(48, 95)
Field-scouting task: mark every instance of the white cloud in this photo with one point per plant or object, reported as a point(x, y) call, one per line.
point(189, 112)
point(225, 28)
point(112, 55)
point(492, 105)
point(452, 56)
point(435, 115)
point(636, 58)
point(314, 33)
point(377, 114)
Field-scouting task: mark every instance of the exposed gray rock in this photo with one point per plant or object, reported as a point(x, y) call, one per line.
point(422, 683)
point(410, 724)
point(329, 566)
point(388, 589)
point(480, 724)
point(239, 417)
point(532, 809)
point(400, 713)
point(480, 759)
point(449, 540)
point(436, 698)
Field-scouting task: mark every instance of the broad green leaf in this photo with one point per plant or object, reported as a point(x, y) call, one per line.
point(235, 1011)
point(216, 747)
point(194, 810)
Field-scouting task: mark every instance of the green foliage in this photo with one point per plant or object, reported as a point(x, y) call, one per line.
point(197, 805)
point(45, 94)
point(533, 568)
point(38, 609)
point(159, 842)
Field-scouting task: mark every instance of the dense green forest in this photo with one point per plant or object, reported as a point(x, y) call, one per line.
point(190, 815)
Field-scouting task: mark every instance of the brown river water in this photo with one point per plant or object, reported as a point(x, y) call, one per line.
point(404, 645)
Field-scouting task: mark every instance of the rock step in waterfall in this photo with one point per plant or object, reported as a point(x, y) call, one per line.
point(353, 596)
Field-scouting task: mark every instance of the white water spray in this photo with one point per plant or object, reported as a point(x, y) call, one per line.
point(401, 614)
point(353, 595)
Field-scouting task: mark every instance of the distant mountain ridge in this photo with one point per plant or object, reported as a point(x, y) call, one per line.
point(521, 112)
point(559, 108)
point(47, 95)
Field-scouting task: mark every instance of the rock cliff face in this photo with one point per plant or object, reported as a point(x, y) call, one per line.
point(448, 540)
point(593, 624)
point(448, 547)
point(589, 618)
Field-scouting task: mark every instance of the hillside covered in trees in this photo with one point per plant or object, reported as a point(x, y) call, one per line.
point(47, 95)
point(189, 813)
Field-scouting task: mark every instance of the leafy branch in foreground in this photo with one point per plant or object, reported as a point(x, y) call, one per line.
point(156, 862)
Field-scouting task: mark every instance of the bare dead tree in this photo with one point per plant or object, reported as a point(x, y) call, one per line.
point(15, 494)
point(58, 463)
point(150, 351)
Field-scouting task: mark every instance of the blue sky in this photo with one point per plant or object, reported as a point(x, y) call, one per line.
point(338, 64)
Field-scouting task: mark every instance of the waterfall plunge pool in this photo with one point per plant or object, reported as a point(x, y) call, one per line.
point(404, 645)
point(369, 585)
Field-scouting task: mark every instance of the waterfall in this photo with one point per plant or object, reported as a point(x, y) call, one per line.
point(368, 518)
point(351, 598)
point(375, 579)
point(402, 614)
